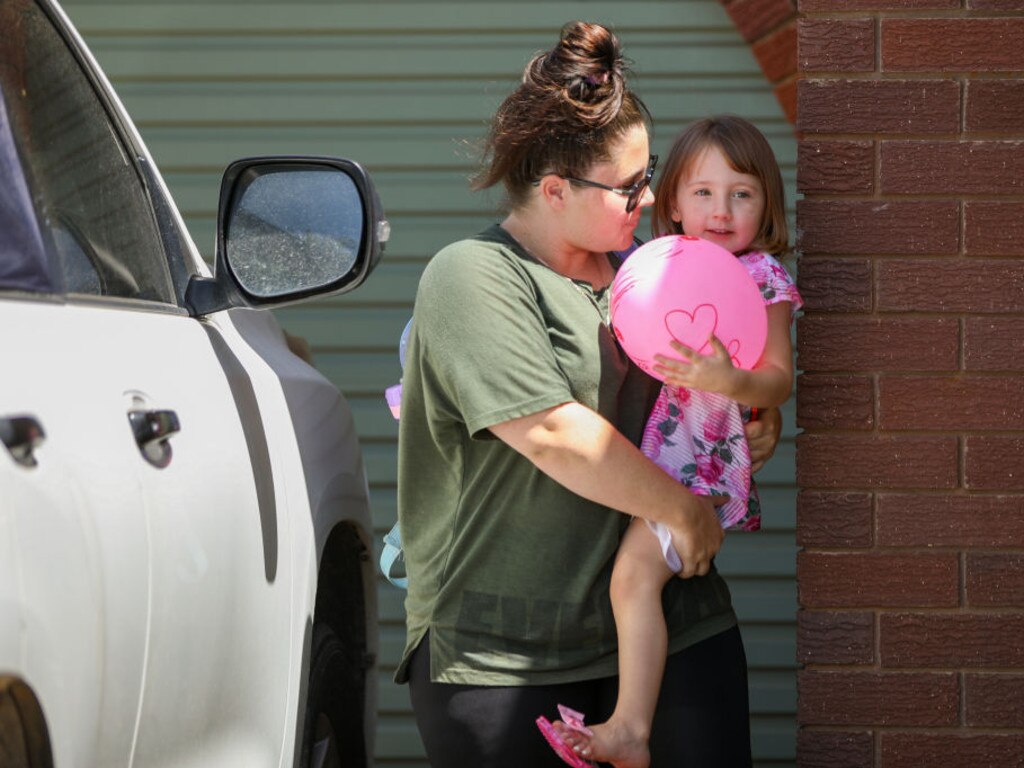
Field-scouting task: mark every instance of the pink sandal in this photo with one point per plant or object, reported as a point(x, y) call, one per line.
point(574, 721)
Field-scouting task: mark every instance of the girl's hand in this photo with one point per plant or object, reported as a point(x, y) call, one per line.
point(713, 372)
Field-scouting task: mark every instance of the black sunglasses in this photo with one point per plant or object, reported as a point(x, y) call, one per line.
point(632, 193)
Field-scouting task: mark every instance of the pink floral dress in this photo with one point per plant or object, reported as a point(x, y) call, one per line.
point(697, 437)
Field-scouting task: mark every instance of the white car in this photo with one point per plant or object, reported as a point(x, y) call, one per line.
point(185, 534)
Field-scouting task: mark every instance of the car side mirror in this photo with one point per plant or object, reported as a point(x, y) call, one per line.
point(289, 228)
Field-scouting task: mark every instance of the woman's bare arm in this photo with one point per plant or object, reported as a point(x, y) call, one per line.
point(580, 449)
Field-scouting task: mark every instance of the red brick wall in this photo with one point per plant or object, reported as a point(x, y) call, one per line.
point(911, 401)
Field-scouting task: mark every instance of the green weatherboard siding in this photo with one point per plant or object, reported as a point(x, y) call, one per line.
point(405, 88)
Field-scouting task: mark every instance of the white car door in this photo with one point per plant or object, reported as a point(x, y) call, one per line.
point(78, 533)
point(219, 626)
point(152, 571)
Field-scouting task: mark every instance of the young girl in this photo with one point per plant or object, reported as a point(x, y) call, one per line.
point(721, 183)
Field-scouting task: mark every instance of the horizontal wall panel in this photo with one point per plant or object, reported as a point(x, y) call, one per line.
point(326, 57)
point(776, 692)
point(760, 553)
point(769, 646)
point(360, 373)
point(393, 698)
point(418, 18)
point(397, 737)
point(773, 740)
point(356, 103)
point(365, 331)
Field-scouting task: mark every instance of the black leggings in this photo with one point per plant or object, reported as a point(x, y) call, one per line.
point(702, 719)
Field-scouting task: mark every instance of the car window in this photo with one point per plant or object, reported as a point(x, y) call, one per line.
point(23, 264)
point(91, 206)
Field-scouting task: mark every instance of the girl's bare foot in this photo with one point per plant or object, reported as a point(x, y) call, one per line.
point(612, 742)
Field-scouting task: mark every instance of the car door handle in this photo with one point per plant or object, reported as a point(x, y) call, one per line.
point(22, 435)
point(152, 431)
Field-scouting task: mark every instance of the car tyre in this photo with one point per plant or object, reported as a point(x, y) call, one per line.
point(333, 733)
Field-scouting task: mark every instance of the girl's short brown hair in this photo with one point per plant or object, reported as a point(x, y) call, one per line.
point(748, 152)
point(572, 105)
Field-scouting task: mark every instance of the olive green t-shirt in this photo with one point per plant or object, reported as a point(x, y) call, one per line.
point(508, 570)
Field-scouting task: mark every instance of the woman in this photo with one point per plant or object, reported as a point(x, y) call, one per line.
point(518, 465)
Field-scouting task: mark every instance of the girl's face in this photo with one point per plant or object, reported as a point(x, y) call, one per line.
point(718, 203)
point(597, 218)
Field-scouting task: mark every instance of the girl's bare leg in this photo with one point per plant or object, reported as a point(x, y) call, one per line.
point(639, 575)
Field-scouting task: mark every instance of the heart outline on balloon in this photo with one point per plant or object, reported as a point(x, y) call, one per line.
point(678, 323)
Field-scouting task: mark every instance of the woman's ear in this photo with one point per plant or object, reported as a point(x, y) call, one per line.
point(552, 191)
point(676, 215)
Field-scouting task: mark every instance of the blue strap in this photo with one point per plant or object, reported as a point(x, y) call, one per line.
point(392, 553)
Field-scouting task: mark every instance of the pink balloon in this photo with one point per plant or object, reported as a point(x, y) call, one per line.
point(685, 288)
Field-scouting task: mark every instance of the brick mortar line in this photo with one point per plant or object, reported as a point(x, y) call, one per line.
point(923, 14)
point(913, 197)
point(889, 75)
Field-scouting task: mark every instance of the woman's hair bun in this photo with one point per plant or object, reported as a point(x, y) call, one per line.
point(586, 69)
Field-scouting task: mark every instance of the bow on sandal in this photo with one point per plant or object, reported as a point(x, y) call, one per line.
point(574, 721)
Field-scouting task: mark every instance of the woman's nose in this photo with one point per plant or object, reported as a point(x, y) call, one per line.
point(647, 198)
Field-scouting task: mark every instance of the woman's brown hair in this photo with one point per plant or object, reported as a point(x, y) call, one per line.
point(572, 105)
point(748, 152)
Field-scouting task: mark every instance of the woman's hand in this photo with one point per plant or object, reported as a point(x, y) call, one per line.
point(699, 537)
point(763, 436)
